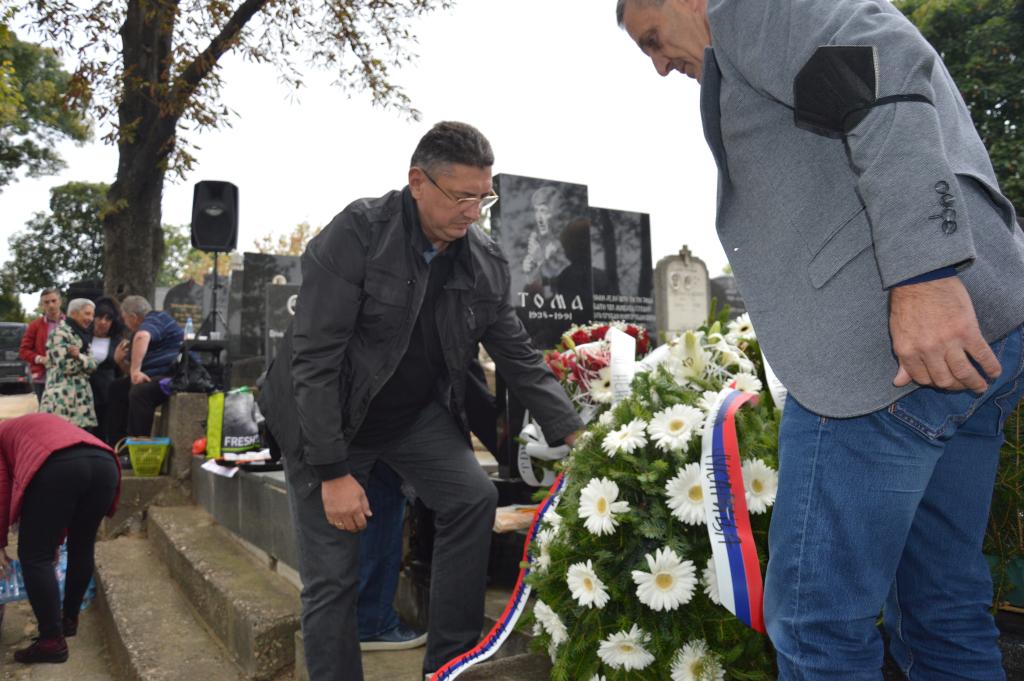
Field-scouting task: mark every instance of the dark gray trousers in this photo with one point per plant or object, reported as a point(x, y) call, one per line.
point(437, 460)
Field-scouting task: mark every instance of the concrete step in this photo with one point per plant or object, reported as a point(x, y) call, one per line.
point(152, 633)
point(252, 611)
point(406, 665)
point(522, 667)
point(137, 495)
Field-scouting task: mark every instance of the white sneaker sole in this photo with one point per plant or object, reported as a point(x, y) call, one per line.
point(370, 646)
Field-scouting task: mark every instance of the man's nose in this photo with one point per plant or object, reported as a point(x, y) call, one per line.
point(473, 210)
point(661, 64)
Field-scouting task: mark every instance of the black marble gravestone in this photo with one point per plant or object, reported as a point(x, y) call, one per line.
point(281, 299)
point(620, 254)
point(262, 270)
point(183, 301)
point(537, 223)
point(725, 292)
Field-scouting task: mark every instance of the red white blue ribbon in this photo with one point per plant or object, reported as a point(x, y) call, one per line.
point(516, 604)
point(737, 567)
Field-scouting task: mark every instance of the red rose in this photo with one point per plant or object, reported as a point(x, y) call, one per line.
point(600, 332)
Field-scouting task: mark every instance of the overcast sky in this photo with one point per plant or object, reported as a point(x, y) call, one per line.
point(561, 92)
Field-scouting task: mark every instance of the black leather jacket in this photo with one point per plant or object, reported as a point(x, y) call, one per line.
point(363, 282)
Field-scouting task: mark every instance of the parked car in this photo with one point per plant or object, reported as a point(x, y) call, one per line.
point(14, 374)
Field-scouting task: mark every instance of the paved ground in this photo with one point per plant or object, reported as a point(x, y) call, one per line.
point(12, 406)
point(88, 658)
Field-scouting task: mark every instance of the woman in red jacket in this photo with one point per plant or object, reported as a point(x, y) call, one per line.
point(57, 479)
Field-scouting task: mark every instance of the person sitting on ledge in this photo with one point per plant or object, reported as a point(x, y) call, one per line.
point(154, 347)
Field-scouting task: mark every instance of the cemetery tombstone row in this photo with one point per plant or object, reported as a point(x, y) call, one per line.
point(569, 263)
point(280, 307)
point(261, 271)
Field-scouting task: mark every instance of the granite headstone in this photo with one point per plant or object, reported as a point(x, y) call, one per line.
point(683, 298)
point(620, 255)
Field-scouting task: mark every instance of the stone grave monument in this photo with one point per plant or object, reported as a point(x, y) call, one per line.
point(620, 255)
point(725, 292)
point(280, 306)
point(683, 293)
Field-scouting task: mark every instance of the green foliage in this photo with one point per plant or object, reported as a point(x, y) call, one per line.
point(33, 116)
point(1004, 537)
point(292, 243)
point(982, 44)
point(649, 525)
point(65, 244)
point(182, 262)
point(10, 305)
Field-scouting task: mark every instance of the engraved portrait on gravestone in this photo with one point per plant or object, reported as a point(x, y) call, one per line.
point(536, 223)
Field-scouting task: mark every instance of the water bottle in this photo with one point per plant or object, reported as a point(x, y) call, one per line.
point(12, 587)
point(188, 329)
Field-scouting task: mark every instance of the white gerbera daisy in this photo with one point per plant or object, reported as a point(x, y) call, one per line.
point(597, 677)
point(710, 581)
point(626, 439)
point(550, 622)
point(552, 518)
point(625, 650)
point(685, 495)
point(670, 582)
point(586, 587)
point(695, 663)
point(600, 387)
point(761, 484)
point(598, 506)
point(748, 383)
point(543, 560)
point(741, 327)
point(672, 428)
point(606, 418)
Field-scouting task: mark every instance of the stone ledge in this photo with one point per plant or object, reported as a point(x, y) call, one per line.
point(150, 629)
point(253, 611)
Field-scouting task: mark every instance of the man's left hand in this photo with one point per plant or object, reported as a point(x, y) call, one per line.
point(571, 438)
point(139, 377)
point(935, 336)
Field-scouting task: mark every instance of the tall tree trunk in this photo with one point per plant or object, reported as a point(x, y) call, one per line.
point(133, 238)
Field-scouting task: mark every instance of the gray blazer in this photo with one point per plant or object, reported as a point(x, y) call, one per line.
point(816, 234)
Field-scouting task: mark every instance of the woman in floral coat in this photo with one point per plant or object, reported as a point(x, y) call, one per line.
point(68, 365)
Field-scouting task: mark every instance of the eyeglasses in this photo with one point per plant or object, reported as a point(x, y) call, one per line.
point(484, 201)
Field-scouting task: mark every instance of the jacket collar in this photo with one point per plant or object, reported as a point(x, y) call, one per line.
point(463, 273)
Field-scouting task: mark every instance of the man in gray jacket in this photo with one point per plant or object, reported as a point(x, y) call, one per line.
point(396, 293)
point(884, 274)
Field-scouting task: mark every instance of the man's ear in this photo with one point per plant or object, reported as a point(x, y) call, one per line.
point(416, 181)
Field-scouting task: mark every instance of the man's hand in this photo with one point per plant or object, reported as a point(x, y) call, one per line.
point(139, 377)
point(40, 359)
point(935, 336)
point(571, 438)
point(345, 503)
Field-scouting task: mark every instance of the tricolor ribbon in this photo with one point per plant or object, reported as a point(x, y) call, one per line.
point(737, 567)
point(516, 604)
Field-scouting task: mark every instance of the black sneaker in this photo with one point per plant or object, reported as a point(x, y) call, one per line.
point(399, 638)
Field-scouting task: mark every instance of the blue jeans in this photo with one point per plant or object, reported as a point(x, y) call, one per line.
point(887, 511)
point(380, 554)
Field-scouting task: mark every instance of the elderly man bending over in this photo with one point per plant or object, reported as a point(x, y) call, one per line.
point(149, 356)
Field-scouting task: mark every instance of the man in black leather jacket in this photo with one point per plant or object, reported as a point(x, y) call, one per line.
point(397, 291)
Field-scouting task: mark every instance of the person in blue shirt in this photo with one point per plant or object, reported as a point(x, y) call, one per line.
point(155, 344)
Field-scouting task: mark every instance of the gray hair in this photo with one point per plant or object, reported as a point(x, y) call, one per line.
point(620, 7)
point(452, 142)
point(79, 304)
point(135, 305)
